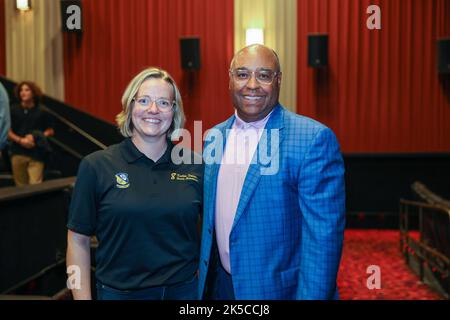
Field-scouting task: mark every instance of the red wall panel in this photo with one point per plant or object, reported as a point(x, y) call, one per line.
point(381, 91)
point(122, 37)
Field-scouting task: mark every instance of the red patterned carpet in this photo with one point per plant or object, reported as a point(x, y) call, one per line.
point(363, 248)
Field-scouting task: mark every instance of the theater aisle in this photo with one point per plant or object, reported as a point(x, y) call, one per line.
point(363, 248)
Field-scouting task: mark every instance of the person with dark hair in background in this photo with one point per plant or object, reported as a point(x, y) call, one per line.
point(143, 207)
point(30, 126)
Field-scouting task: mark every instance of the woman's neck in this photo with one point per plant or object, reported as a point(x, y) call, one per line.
point(27, 104)
point(152, 147)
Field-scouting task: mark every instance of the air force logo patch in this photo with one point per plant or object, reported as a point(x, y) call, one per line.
point(122, 181)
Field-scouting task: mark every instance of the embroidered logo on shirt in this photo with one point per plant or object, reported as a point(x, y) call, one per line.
point(122, 181)
point(183, 177)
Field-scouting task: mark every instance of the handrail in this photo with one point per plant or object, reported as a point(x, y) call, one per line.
point(34, 276)
point(10, 84)
point(77, 155)
point(430, 253)
point(14, 193)
point(75, 128)
point(429, 196)
point(433, 251)
point(425, 205)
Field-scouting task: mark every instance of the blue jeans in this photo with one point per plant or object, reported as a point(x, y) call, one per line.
point(182, 291)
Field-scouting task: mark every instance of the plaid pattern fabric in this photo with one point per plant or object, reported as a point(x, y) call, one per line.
point(286, 240)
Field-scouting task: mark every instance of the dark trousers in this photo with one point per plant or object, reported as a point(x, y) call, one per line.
point(183, 291)
point(223, 286)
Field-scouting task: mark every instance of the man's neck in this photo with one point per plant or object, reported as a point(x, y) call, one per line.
point(259, 119)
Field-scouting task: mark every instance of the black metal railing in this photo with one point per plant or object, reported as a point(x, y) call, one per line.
point(429, 250)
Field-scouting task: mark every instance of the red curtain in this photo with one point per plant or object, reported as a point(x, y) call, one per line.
point(2, 39)
point(121, 37)
point(381, 91)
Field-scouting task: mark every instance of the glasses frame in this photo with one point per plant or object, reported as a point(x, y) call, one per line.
point(173, 104)
point(253, 74)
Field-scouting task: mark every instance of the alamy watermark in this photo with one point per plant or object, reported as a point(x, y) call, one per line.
point(74, 277)
point(374, 20)
point(374, 280)
point(265, 154)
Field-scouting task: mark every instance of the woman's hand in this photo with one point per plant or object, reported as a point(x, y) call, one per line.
point(27, 141)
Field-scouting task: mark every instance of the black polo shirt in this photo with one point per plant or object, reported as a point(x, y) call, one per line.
point(144, 214)
point(25, 121)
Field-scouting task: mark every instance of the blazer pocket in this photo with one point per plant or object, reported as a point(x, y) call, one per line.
point(289, 278)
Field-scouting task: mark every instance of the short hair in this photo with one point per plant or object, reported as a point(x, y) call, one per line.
point(275, 54)
point(124, 119)
point(35, 90)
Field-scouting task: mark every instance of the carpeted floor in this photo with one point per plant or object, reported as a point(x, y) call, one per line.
point(363, 248)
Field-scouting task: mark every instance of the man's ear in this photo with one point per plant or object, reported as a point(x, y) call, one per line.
point(279, 79)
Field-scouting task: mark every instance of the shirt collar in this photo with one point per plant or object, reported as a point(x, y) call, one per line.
point(131, 153)
point(241, 124)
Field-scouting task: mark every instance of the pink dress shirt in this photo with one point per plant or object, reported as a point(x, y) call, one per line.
point(240, 147)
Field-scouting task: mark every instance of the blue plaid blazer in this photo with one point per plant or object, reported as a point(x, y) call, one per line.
point(286, 240)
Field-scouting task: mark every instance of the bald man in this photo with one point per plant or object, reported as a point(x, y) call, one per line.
point(274, 194)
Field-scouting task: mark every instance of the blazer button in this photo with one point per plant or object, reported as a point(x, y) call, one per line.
point(209, 230)
point(205, 262)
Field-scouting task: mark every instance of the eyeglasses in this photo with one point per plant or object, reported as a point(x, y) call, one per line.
point(164, 105)
point(263, 76)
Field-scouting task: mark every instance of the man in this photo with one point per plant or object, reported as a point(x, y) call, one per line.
point(277, 233)
point(5, 121)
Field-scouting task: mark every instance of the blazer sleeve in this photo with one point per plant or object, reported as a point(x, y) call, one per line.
point(321, 189)
point(5, 121)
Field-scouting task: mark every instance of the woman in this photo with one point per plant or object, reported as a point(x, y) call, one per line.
point(143, 208)
point(30, 126)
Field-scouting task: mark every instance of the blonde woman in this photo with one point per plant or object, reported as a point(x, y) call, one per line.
point(143, 208)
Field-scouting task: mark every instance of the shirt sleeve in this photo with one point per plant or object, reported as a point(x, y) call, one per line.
point(47, 121)
point(83, 205)
point(13, 118)
point(5, 121)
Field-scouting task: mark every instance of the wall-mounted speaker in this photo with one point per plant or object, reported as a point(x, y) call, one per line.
point(318, 50)
point(443, 56)
point(190, 53)
point(71, 16)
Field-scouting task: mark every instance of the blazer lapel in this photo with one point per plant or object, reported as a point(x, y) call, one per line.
point(276, 121)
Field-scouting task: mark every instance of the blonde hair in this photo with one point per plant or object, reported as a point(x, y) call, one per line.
point(123, 119)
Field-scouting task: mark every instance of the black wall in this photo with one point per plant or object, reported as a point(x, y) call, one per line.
point(376, 182)
point(33, 229)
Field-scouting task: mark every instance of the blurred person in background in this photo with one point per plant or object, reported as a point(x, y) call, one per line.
point(30, 128)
